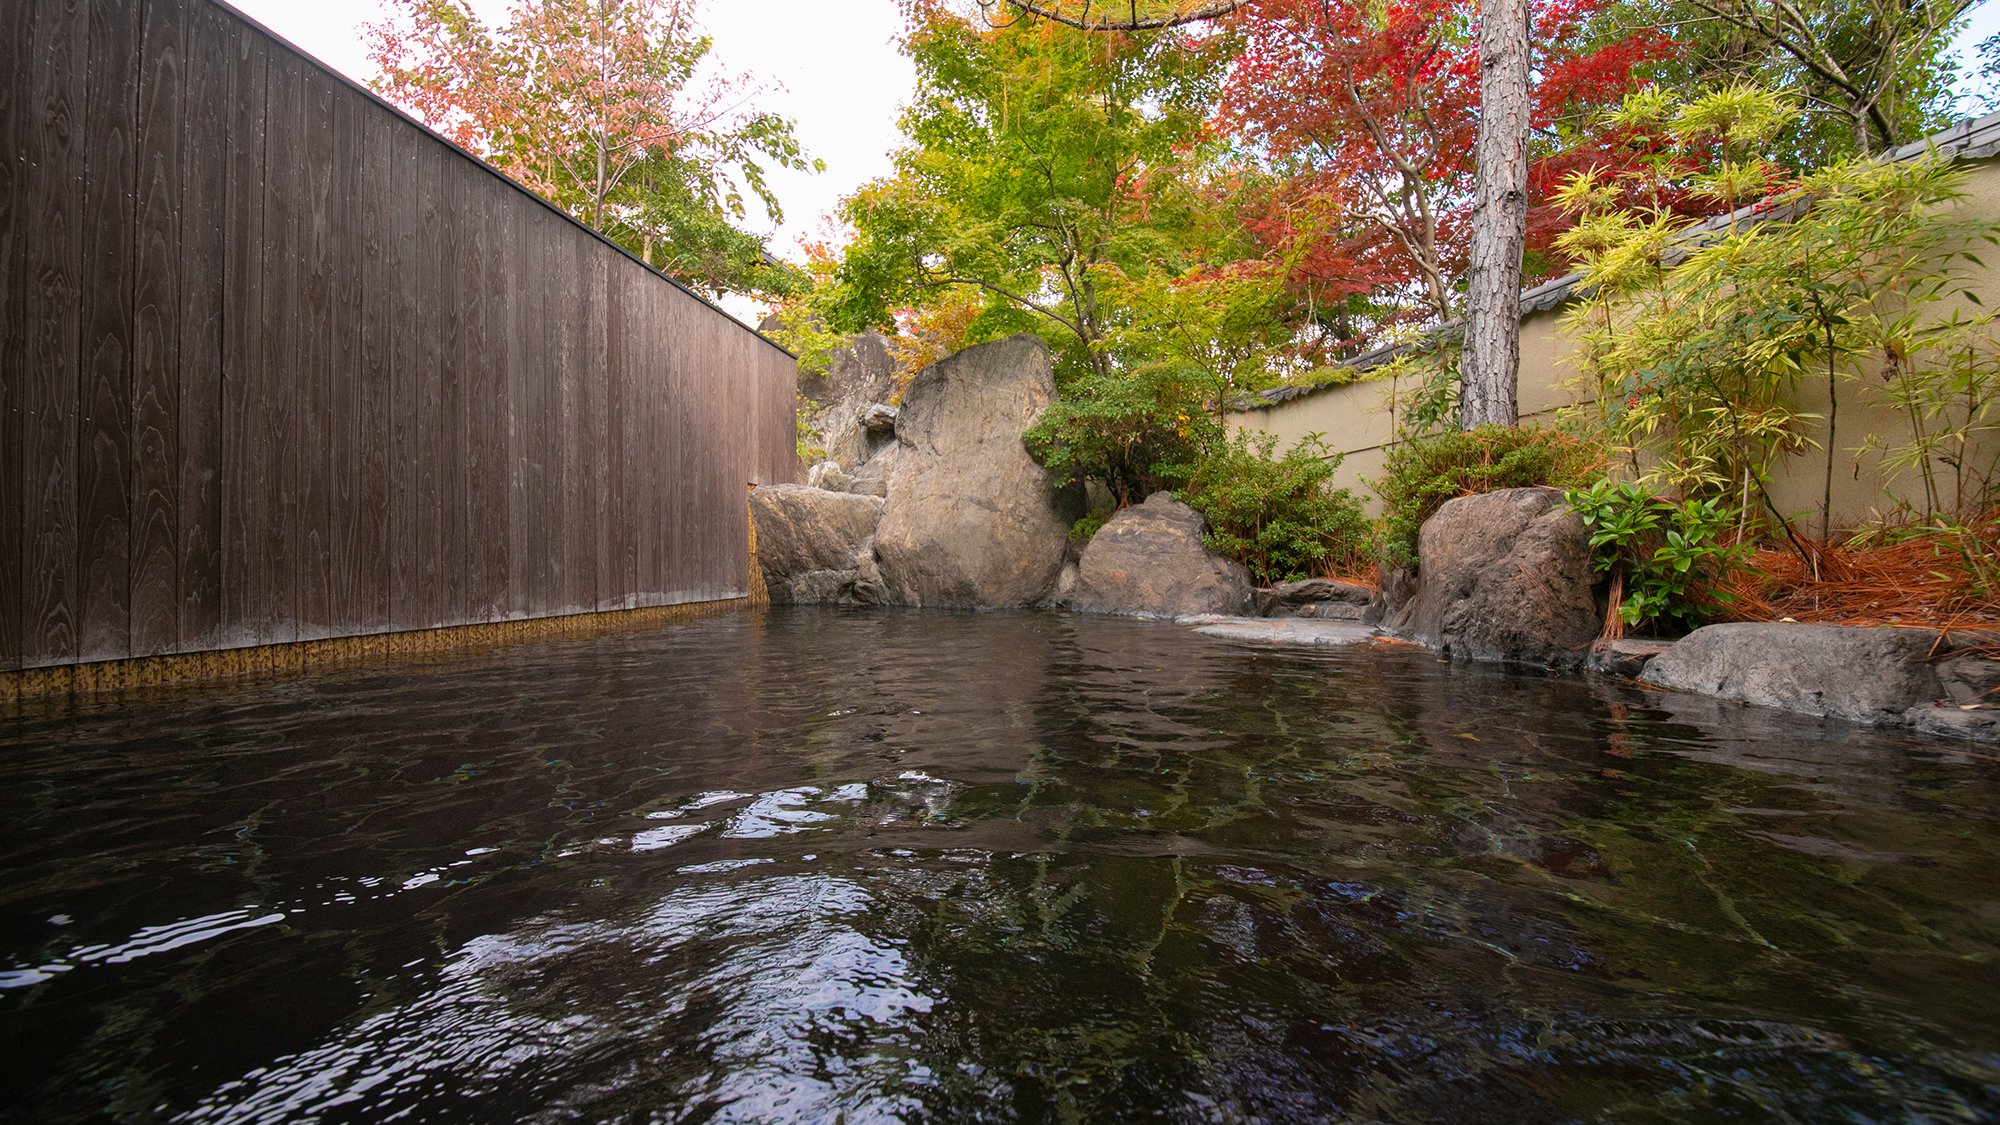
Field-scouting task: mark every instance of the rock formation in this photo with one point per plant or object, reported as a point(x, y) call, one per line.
point(1504, 576)
point(1315, 598)
point(971, 519)
point(1866, 675)
point(815, 546)
point(1149, 560)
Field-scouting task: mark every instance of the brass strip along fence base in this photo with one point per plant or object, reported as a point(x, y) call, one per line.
point(760, 594)
point(302, 656)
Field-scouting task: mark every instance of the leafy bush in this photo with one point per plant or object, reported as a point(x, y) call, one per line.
point(1086, 528)
point(1120, 428)
point(1424, 472)
point(1665, 577)
point(1276, 515)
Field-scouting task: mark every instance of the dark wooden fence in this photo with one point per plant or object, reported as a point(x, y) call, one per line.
point(278, 364)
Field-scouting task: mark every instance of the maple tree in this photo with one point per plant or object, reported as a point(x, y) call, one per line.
point(1038, 156)
point(1385, 99)
point(596, 105)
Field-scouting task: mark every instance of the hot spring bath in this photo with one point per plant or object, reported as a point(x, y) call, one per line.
point(828, 865)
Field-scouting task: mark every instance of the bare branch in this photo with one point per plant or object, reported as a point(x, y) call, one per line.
point(1042, 9)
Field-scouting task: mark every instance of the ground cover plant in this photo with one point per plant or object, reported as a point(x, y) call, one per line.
point(1278, 514)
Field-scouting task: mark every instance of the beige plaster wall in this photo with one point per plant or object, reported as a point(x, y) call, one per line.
point(1360, 419)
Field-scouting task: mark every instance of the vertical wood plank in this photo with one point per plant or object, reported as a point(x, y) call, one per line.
point(311, 457)
point(532, 516)
point(244, 490)
point(454, 358)
point(104, 438)
point(627, 425)
point(373, 205)
point(156, 343)
point(570, 319)
point(16, 117)
point(271, 465)
point(481, 446)
point(54, 265)
point(647, 466)
point(411, 303)
point(205, 147)
point(344, 263)
point(598, 418)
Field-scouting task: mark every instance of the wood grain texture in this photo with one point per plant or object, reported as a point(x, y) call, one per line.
point(156, 344)
point(279, 367)
point(374, 208)
point(205, 145)
point(481, 444)
point(346, 266)
point(244, 443)
point(311, 465)
point(104, 426)
point(16, 117)
point(407, 307)
point(270, 486)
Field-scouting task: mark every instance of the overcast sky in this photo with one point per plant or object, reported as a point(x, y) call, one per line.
point(842, 81)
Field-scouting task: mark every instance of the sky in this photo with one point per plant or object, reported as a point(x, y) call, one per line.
point(832, 65)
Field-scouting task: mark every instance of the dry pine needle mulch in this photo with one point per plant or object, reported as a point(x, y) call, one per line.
point(1923, 582)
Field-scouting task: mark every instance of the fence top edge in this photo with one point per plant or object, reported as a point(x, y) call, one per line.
point(503, 177)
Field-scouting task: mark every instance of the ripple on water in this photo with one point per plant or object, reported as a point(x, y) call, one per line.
point(828, 865)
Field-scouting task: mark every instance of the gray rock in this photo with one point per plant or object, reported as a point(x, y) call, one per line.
point(1312, 597)
point(1625, 657)
point(811, 542)
point(1149, 560)
point(971, 519)
point(1980, 725)
point(858, 376)
point(1504, 576)
point(1864, 675)
point(1971, 680)
point(828, 475)
point(879, 416)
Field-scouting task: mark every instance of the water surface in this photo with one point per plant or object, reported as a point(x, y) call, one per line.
point(831, 865)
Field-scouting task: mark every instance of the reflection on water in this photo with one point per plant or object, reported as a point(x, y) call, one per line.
point(826, 865)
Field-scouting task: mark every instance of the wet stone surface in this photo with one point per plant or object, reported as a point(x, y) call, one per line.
point(869, 865)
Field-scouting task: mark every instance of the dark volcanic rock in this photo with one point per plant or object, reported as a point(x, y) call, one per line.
point(1504, 576)
point(1866, 675)
point(1149, 560)
point(1626, 656)
point(971, 519)
point(1315, 598)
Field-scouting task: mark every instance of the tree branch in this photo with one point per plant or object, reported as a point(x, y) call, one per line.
point(1044, 10)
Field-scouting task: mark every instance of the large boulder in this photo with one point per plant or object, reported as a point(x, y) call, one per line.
point(1149, 560)
point(812, 545)
point(1867, 675)
point(1505, 576)
point(971, 519)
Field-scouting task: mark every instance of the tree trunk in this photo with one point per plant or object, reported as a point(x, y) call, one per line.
point(1489, 367)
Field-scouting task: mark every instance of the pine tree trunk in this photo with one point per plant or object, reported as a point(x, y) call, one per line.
point(1489, 367)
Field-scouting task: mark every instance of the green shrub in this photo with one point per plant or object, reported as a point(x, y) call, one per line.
point(1424, 472)
point(1669, 557)
point(1122, 428)
point(1086, 528)
point(1276, 515)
